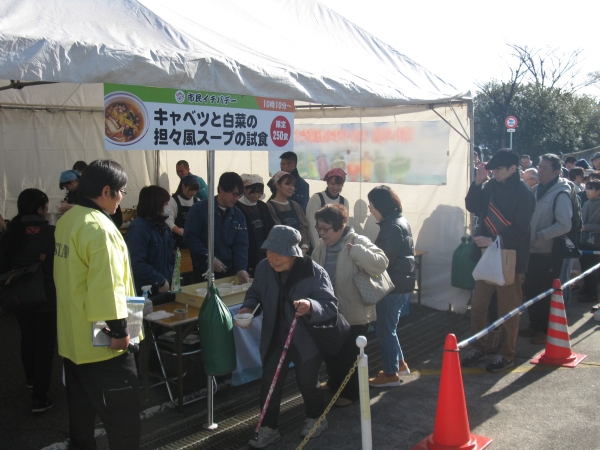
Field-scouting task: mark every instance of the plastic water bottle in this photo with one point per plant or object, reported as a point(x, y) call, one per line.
point(176, 284)
point(148, 308)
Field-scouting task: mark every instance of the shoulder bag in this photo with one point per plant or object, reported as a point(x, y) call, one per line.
point(589, 240)
point(24, 287)
point(330, 335)
point(372, 288)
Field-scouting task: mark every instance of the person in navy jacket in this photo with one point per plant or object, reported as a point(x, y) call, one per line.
point(150, 242)
point(289, 163)
point(230, 232)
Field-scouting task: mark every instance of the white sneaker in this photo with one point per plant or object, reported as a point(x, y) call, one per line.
point(309, 424)
point(266, 436)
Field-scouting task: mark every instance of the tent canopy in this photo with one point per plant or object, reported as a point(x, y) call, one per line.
point(293, 49)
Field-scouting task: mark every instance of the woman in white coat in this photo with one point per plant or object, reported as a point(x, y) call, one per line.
point(341, 252)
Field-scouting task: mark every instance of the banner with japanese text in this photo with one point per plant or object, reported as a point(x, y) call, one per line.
point(414, 153)
point(147, 118)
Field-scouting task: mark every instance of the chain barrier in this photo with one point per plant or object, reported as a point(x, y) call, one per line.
point(333, 400)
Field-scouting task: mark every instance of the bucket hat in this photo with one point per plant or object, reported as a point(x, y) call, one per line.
point(284, 241)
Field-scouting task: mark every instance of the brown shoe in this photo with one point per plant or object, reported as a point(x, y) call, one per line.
point(527, 332)
point(384, 380)
point(539, 338)
point(402, 370)
point(342, 402)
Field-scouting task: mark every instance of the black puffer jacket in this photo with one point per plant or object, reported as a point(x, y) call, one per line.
point(516, 202)
point(18, 250)
point(395, 239)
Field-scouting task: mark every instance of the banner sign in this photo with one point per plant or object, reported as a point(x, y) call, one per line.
point(384, 152)
point(147, 118)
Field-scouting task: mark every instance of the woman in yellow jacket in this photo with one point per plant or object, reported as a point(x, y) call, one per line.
point(341, 252)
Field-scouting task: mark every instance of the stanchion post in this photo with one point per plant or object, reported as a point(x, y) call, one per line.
point(365, 399)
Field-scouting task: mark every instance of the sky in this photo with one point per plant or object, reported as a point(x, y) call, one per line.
point(465, 42)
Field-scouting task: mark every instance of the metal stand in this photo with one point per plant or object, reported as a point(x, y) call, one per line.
point(210, 275)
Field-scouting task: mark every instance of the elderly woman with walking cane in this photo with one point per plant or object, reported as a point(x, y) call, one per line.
point(294, 293)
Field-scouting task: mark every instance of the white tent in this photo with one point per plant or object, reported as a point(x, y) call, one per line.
point(294, 49)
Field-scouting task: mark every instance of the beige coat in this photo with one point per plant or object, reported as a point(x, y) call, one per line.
point(364, 254)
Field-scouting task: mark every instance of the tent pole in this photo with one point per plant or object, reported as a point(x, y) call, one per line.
point(210, 163)
point(157, 167)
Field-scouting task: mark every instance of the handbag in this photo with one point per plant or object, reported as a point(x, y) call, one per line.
point(496, 266)
point(589, 240)
point(24, 287)
point(372, 288)
point(330, 335)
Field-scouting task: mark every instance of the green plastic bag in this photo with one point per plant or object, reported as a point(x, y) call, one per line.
point(215, 326)
point(462, 265)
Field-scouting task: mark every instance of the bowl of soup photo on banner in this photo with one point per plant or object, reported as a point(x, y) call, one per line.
point(125, 118)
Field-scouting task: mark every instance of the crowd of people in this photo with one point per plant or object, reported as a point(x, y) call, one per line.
point(304, 258)
point(544, 213)
point(299, 249)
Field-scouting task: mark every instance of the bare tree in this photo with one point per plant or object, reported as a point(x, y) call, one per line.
point(546, 68)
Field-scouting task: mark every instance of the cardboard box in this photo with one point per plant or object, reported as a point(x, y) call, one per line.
point(189, 296)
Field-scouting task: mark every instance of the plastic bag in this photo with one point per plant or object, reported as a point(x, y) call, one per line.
point(215, 326)
point(489, 267)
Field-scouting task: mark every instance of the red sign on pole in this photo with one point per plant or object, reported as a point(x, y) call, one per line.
point(511, 122)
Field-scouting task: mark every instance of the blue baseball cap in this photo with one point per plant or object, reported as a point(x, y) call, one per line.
point(68, 175)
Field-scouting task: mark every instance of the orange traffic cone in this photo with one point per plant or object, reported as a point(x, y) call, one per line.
point(451, 430)
point(558, 346)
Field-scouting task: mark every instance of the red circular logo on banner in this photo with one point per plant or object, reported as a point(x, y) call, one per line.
point(281, 131)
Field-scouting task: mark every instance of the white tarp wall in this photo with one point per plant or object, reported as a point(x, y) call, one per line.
point(436, 214)
point(38, 145)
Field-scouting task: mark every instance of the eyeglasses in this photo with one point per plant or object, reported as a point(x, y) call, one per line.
point(323, 229)
point(122, 191)
point(497, 169)
point(235, 194)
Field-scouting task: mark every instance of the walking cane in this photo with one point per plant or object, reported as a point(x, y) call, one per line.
point(272, 388)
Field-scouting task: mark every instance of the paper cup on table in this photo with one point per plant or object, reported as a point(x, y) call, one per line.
point(243, 320)
point(180, 314)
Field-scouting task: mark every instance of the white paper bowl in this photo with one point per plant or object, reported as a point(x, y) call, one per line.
point(243, 320)
point(224, 291)
point(201, 292)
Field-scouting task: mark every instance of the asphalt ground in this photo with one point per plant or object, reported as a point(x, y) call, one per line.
point(525, 407)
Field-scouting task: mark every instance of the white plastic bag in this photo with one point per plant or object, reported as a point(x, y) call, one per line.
point(489, 267)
